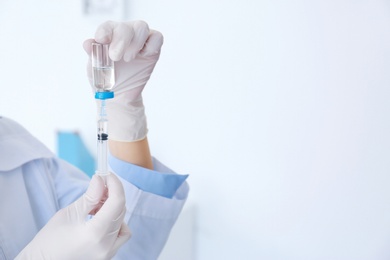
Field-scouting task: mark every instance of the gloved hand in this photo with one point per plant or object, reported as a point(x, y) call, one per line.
point(135, 49)
point(69, 235)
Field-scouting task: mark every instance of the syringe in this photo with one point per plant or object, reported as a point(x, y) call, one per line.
point(103, 75)
point(102, 137)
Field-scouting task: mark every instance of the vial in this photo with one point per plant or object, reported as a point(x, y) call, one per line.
point(103, 72)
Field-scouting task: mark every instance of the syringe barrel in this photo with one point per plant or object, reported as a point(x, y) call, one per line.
point(102, 139)
point(102, 164)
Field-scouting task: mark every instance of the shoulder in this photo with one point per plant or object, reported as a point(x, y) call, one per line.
point(10, 127)
point(18, 146)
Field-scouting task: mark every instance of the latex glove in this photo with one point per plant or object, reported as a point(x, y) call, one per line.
point(135, 49)
point(70, 235)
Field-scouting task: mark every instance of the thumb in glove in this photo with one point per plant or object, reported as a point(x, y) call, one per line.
point(71, 235)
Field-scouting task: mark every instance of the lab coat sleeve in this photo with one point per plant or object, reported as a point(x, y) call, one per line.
point(161, 181)
point(52, 183)
point(70, 182)
point(57, 180)
point(150, 216)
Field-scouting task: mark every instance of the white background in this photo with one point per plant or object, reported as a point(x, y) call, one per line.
point(279, 111)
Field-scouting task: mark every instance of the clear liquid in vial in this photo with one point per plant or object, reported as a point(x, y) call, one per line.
point(103, 78)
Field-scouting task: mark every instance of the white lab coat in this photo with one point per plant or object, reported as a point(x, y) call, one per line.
point(34, 185)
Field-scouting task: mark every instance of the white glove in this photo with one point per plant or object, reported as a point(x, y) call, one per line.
point(70, 235)
point(135, 49)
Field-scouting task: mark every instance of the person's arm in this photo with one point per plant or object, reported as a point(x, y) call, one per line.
point(135, 49)
point(137, 153)
point(155, 195)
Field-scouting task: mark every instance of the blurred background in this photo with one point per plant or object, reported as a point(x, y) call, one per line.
point(278, 110)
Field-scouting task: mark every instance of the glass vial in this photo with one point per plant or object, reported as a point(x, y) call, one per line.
point(103, 72)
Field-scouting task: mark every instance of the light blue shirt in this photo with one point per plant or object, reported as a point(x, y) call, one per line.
point(34, 185)
point(162, 182)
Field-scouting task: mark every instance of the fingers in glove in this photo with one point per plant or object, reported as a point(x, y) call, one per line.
point(126, 39)
point(153, 44)
point(122, 36)
point(104, 32)
point(101, 202)
point(112, 212)
point(141, 34)
point(90, 199)
point(118, 35)
point(87, 45)
point(124, 234)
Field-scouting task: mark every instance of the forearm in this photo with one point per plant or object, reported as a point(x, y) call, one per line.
point(137, 152)
point(135, 49)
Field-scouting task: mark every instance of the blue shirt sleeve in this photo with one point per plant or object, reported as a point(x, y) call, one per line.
point(164, 184)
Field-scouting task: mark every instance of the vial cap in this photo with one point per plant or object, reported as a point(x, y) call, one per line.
point(104, 95)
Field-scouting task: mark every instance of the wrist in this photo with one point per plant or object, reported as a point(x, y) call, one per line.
point(137, 152)
point(126, 120)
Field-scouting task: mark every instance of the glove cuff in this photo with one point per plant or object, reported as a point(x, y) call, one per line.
point(126, 120)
